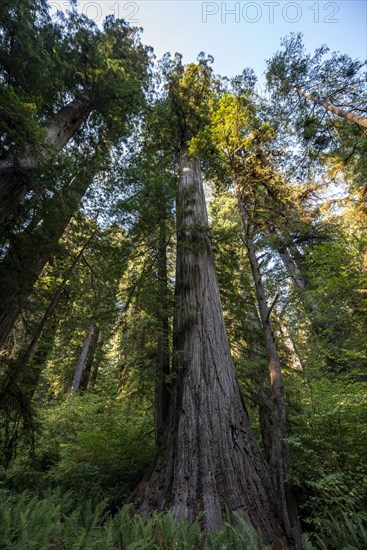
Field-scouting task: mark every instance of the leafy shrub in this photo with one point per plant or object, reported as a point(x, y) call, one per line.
point(89, 445)
point(105, 445)
point(328, 444)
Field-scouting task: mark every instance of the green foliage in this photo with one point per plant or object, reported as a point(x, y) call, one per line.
point(29, 50)
point(103, 445)
point(190, 93)
point(25, 129)
point(89, 446)
point(338, 285)
point(328, 142)
point(328, 443)
point(55, 521)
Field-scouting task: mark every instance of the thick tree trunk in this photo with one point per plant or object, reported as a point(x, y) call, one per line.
point(352, 117)
point(26, 359)
point(90, 360)
point(209, 460)
point(83, 356)
point(30, 252)
point(62, 127)
point(163, 365)
point(17, 174)
point(280, 457)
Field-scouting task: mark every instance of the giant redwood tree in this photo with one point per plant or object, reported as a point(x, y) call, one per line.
point(209, 460)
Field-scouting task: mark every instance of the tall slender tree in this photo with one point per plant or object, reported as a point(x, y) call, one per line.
point(82, 359)
point(235, 138)
point(90, 361)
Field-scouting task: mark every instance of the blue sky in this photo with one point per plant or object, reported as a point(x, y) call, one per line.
point(238, 34)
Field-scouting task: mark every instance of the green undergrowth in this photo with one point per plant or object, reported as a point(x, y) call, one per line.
point(90, 453)
point(55, 522)
point(93, 447)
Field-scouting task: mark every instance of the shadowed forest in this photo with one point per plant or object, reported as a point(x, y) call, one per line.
point(183, 294)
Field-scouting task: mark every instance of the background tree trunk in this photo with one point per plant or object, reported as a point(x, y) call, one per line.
point(266, 420)
point(90, 360)
point(352, 117)
point(209, 460)
point(280, 456)
point(29, 253)
point(292, 268)
point(83, 356)
point(97, 359)
point(289, 343)
point(26, 359)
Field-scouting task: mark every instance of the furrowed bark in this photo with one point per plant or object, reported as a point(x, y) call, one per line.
point(163, 366)
point(209, 460)
point(22, 364)
point(280, 456)
point(17, 174)
point(352, 117)
point(83, 356)
point(266, 420)
point(30, 252)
